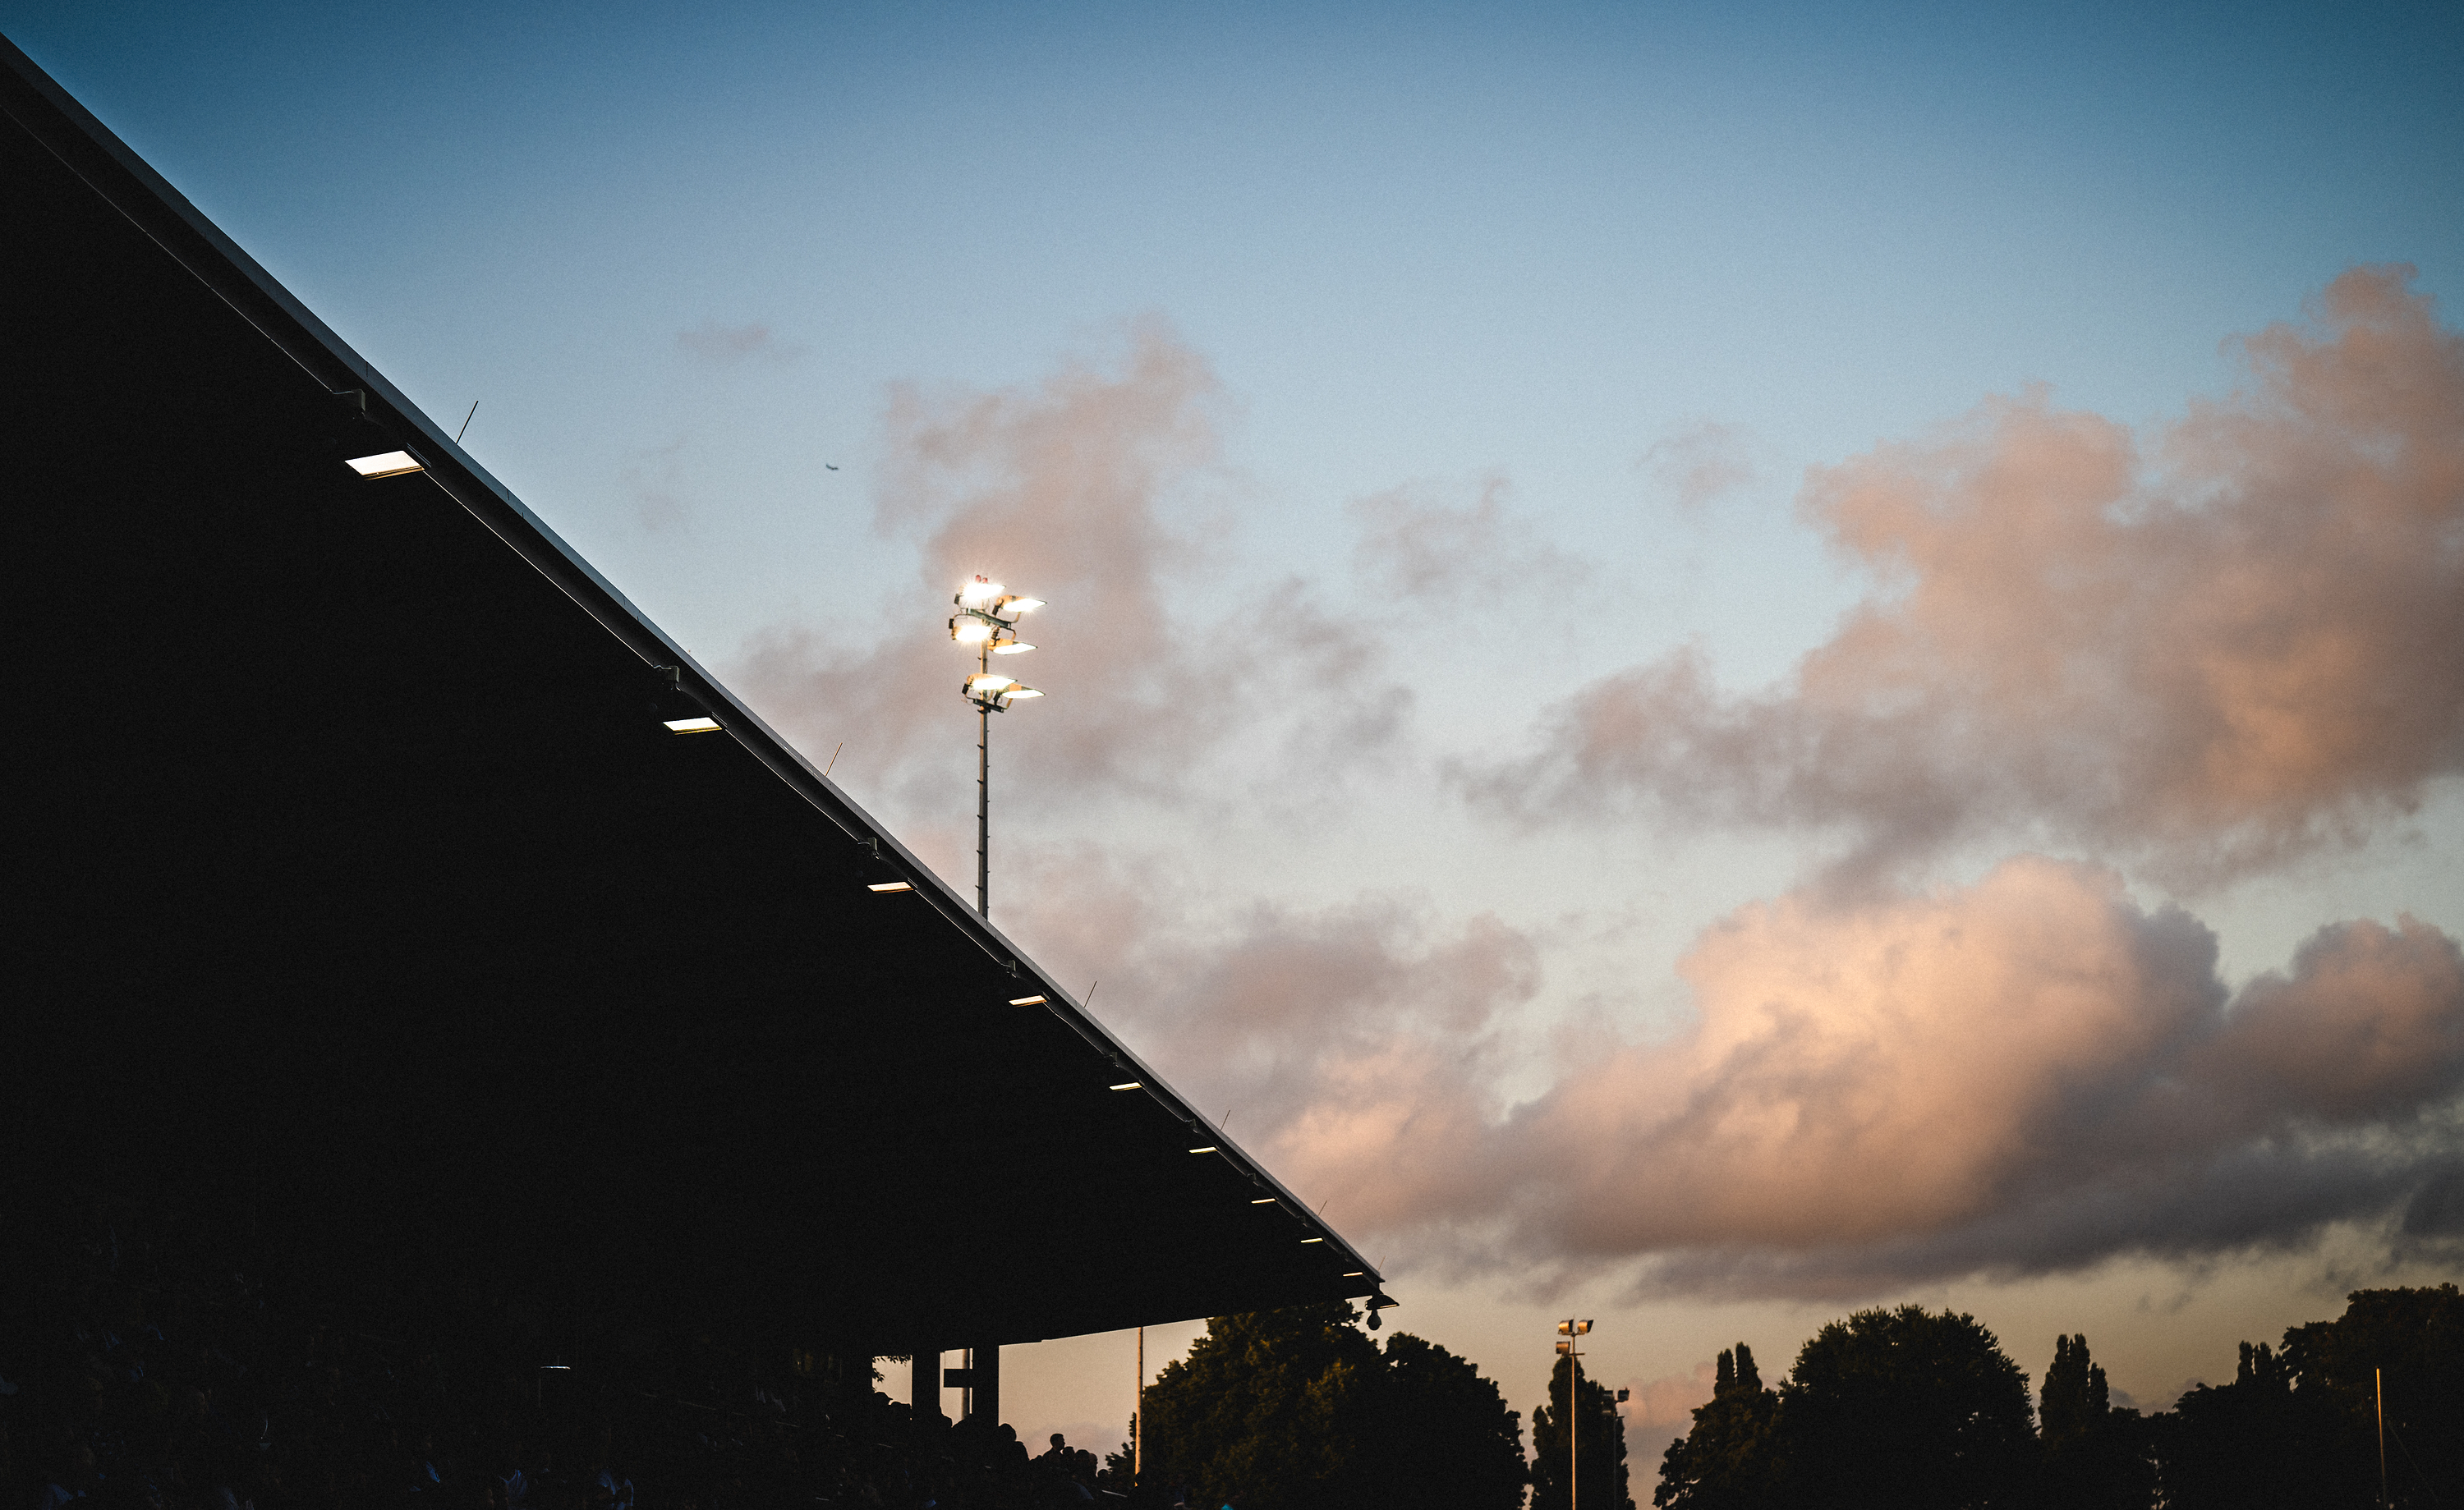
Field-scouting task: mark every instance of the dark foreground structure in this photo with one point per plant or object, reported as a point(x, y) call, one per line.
point(368, 920)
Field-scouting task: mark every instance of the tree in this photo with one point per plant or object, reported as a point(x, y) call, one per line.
point(1904, 1408)
point(1292, 1409)
point(2300, 1425)
point(1725, 1461)
point(1266, 1411)
point(1441, 1438)
point(2415, 1340)
point(2096, 1458)
point(2254, 1444)
point(1598, 1477)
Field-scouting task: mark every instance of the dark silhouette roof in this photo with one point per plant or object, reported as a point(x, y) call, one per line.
point(360, 887)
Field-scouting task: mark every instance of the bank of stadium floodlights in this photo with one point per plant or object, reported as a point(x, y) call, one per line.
point(987, 619)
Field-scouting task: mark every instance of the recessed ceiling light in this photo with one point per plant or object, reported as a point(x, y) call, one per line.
point(1265, 1201)
point(1209, 1149)
point(889, 886)
point(704, 725)
point(1307, 1240)
point(1027, 1001)
point(1131, 1084)
point(385, 464)
point(1357, 1274)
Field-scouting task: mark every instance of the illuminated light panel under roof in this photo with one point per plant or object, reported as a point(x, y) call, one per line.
point(1308, 1240)
point(385, 464)
point(704, 725)
point(889, 886)
point(1357, 1274)
point(1131, 1084)
point(1027, 1001)
point(1209, 1149)
point(1265, 1201)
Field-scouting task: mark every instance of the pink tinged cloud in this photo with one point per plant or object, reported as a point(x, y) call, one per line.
point(2031, 1074)
point(1068, 489)
point(1366, 1035)
point(2025, 1075)
point(2211, 651)
point(1663, 1409)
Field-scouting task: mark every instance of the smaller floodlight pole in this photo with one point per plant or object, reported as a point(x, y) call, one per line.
point(987, 619)
point(1571, 1350)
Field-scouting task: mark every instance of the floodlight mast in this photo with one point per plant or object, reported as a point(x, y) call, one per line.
point(987, 619)
point(1570, 1349)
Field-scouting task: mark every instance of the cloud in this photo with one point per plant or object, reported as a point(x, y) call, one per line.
point(654, 479)
point(2029, 1075)
point(1413, 547)
point(1664, 1407)
point(734, 345)
point(2026, 1075)
point(1700, 463)
point(1368, 1022)
point(2210, 654)
point(1069, 487)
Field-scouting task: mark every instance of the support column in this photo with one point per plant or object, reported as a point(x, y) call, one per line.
point(924, 1384)
point(987, 1387)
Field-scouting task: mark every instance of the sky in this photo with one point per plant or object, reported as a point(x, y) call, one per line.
point(1708, 665)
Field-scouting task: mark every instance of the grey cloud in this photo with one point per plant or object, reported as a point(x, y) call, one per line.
point(1700, 463)
point(734, 345)
point(1415, 546)
point(654, 480)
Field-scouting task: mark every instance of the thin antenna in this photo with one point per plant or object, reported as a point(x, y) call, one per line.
point(834, 759)
point(1091, 993)
point(466, 422)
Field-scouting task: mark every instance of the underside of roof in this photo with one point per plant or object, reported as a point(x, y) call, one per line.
point(359, 885)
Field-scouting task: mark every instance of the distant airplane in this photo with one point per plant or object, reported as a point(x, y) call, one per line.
point(832, 466)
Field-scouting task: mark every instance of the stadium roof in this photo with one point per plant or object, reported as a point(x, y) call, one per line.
point(362, 887)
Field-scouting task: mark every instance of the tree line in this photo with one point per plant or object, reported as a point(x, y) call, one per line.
point(1299, 1409)
point(1910, 1409)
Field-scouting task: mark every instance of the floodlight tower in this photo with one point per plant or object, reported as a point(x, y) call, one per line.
point(987, 619)
point(1569, 1350)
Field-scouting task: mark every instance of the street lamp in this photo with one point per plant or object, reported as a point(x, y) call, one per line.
point(1570, 1349)
point(987, 619)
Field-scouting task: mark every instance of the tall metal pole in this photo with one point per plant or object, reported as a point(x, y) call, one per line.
point(2378, 1382)
point(1572, 1349)
point(1138, 1416)
point(984, 793)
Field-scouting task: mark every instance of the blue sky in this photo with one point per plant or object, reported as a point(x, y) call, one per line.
point(681, 261)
